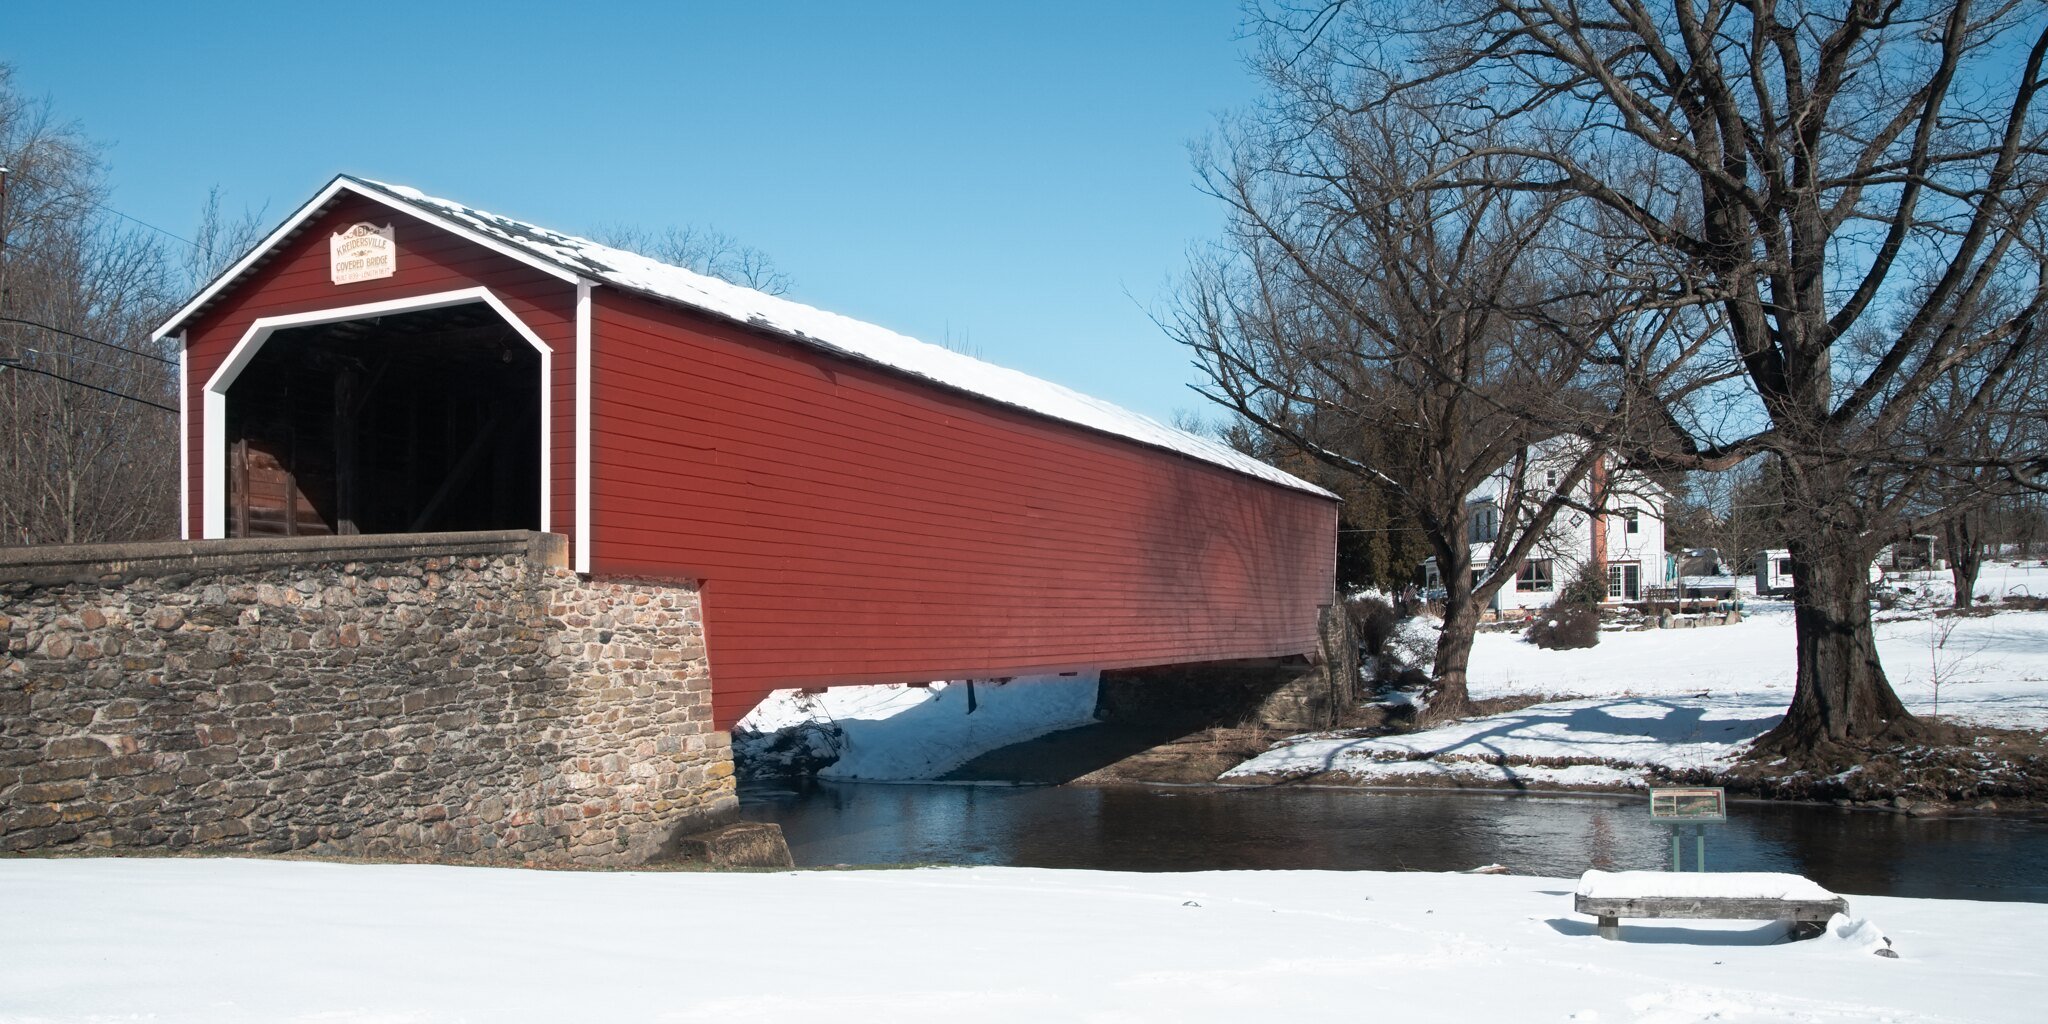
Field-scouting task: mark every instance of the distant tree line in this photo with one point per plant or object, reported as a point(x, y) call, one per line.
point(88, 403)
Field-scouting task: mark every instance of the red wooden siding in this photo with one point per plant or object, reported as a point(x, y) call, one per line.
point(296, 280)
point(853, 526)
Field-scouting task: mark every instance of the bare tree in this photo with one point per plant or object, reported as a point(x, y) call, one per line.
point(88, 411)
point(1968, 484)
point(2018, 525)
point(1423, 338)
point(220, 240)
point(1814, 171)
point(1734, 511)
point(705, 250)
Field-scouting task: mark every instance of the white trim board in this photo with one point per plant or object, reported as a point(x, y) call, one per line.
point(312, 209)
point(214, 467)
point(581, 563)
point(184, 440)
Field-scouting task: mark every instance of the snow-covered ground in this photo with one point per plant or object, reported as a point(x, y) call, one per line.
point(903, 733)
point(224, 941)
point(1995, 581)
point(1994, 669)
point(1688, 698)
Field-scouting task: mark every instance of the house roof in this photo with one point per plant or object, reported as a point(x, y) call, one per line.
point(572, 258)
point(1556, 449)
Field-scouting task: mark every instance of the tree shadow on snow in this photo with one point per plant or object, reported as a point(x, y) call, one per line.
point(1591, 730)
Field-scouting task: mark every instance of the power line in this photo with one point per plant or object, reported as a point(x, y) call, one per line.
point(30, 355)
point(46, 183)
point(81, 337)
point(10, 364)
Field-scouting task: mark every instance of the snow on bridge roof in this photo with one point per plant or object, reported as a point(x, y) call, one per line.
point(818, 328)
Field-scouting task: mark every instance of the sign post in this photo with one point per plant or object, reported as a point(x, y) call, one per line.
point(1696, 807)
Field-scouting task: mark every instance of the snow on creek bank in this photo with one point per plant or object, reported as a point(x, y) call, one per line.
point(220, 940)
point(903, 733)
point(1676, 699)
point(1604, 733)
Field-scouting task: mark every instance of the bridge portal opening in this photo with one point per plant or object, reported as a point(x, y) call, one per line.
point(418, 421)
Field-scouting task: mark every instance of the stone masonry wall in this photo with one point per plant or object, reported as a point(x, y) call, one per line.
point(459, 697)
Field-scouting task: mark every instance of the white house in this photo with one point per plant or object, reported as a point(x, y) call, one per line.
point(1627, 534)
point(1774, 572)
point(1913, 554)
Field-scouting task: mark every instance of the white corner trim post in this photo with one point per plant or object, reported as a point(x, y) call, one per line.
point(581, 560)
point(214, 397)
point(184, 440)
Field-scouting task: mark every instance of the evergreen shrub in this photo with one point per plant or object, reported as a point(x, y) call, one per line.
point(1373, 623)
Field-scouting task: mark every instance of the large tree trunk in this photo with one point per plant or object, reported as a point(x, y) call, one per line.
point(1964, 572)
point(1449, 698)
point(1965, 556)
point(1841, 702)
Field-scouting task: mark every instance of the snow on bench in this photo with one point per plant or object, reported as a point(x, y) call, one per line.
point(1733, 896)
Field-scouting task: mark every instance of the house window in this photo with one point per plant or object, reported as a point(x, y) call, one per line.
point(1784, 567)
point(1624, 581)
point(1534, 577)
point(1485, 525)
point(1550, 480)
point(1631, 521)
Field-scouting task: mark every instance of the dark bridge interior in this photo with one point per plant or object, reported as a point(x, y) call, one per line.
point(412, 422)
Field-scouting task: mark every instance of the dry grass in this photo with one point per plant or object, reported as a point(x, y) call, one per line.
point(1974, 767)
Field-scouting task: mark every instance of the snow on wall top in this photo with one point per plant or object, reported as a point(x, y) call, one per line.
point(830, 331)
point(1754, 885)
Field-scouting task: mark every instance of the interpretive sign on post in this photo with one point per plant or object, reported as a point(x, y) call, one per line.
point(1696, 807)
point(1701, 804)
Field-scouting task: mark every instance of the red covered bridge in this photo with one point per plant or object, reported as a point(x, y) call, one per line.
point(858, 506)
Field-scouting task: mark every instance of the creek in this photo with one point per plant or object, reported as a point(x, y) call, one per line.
point(1170, 828)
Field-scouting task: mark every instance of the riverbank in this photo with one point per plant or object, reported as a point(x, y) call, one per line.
point(220, 940)
point(1681, 707)
point(1644, 707)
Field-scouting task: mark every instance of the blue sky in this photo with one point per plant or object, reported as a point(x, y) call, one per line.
point(1017, 175)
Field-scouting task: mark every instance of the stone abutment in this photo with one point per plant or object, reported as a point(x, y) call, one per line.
point(435, 696)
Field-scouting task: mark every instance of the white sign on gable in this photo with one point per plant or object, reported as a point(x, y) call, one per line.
point(364, 252)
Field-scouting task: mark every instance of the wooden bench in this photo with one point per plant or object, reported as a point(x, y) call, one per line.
point(1726, 896)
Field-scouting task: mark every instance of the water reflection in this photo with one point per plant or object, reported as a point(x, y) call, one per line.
point(1193, 829)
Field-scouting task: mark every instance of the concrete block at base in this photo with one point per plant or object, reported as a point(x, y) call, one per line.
point(742, 844)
